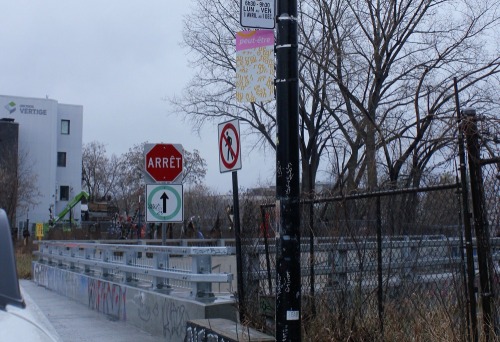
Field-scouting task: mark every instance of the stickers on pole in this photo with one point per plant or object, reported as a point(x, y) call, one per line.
point(229, 146)
point(255, 66)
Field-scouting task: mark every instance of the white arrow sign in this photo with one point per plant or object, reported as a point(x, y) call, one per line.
point(164, 203)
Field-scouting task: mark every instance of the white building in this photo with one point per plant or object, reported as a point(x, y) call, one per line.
point(50, 139)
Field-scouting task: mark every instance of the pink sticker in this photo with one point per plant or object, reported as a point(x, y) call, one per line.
point(254, 39)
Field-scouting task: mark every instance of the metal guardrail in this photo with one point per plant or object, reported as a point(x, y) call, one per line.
point(164, 268)
point(404, 258)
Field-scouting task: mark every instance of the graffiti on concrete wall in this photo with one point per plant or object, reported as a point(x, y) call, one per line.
point(172, 315)
point(69, 284)
point(196, 333)
point(107, 298)
point(174, 318)
point(145, 311)
point(40, 274)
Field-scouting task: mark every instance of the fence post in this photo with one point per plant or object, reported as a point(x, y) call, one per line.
point(406, 257)
point(86, 255)
point(202, 264)
point(160, 262)
point(340, 264)
point(72, 254)
point(469, 249)
point(480, 221)
point(105, 254)
point(380, 275)
point(311, 253)
point(129, 260)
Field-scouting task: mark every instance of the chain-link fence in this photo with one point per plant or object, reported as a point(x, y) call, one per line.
point(407, 264)
point(491, 181)
point(386, 265)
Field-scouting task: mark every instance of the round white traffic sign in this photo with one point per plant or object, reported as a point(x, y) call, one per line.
point(164, 203)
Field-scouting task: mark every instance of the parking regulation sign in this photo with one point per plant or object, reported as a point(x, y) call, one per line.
point(164, 203)
point(257, 13)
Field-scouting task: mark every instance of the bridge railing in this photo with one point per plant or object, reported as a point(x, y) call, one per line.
point(343, 262)
point(183, 269)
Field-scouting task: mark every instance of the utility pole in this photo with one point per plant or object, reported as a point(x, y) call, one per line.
point(288, 280)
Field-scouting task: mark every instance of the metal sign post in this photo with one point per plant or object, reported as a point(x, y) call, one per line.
point(230, 160)
point(163, 166)
point(288, 289)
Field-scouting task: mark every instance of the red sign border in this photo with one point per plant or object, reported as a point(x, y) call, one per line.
point(229, 125)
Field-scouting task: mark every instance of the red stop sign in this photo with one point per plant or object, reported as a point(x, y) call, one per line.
point(164, 162)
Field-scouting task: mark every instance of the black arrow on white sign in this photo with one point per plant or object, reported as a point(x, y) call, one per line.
point(164, 197)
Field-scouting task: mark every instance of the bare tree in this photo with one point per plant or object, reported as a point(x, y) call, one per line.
point(194, 168)
point(18, 183)
point(204, 208)
point(209, 32)
point(9, 181)
point(130, 181)
point(99, 172)
point(394, 64)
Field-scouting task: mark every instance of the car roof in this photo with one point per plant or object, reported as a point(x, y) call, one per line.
point(10, 294)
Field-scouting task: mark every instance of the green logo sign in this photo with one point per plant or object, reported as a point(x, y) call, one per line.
point(11, 107)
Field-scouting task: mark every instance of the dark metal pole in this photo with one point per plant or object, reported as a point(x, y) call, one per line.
point(237, 233)
point(163, 234)
point(312, 258)
point(469, 249)
point(265, 225)
point(480, 222)
point(380, 290)
point(139, 223)
point(288, 280)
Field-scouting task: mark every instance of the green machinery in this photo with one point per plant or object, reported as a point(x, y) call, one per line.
point(70, 206)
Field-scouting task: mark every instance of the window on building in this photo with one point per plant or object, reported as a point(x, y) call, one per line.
point(61, 159)
point(64, 193)
point(64, 126)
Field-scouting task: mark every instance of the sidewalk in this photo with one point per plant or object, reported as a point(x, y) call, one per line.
point(69, 321)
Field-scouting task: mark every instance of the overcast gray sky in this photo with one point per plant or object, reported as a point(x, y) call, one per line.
point(119, 60)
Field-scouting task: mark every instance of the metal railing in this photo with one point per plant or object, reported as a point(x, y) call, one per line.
point(183, 269)
point(409, 258)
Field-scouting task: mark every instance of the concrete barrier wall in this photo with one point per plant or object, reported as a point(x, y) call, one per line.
point(154, 312)
point(222, 330)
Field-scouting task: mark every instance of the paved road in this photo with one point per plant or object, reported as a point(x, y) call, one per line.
point(70, 321)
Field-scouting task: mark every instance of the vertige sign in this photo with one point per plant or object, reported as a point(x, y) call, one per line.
point(24, 109)
point(30, 109)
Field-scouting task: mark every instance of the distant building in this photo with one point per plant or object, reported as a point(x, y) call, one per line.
point(9, 134)
point(49, 142)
